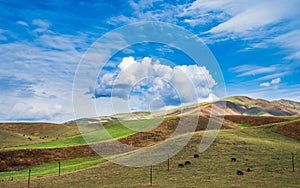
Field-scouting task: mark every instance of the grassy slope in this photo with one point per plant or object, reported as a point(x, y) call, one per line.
point(52, 168)
point(265, 152)
point(115, 129)
point(14, 137)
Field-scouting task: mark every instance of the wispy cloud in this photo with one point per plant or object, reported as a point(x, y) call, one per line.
point(2, 34)
point(261, 23)
point(289, 41)
point(22, 23)
point(154, 10)
point(258, 15)
point(245, 17)
point(39, 74)
point(253, 70)
point(41, 23)
point(265, 72)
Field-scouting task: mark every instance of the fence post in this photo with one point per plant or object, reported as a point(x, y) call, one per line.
point(29, 171)
point(151, 175)
point(293, 163)
point(168, 163)
point(58, 168)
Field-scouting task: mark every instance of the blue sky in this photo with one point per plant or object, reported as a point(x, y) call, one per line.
point(256, 43)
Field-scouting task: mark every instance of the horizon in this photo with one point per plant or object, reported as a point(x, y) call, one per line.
point(255, 43)
point(61, 122)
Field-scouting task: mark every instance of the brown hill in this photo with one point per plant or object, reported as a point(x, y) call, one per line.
point(242, 105)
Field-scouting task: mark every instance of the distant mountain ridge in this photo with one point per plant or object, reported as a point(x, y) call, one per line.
point(261, 107)
point(235, 105)
point(243, 105)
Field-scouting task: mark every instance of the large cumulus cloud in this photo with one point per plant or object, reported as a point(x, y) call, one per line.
point(149, 84)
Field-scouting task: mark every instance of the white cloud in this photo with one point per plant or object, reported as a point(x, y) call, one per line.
point(41, 23)
point(143, 81)
point(22, 23)
point(42, 26)
point(265, 84)
point(24, 110)
point(276, 81)
point(126, 62)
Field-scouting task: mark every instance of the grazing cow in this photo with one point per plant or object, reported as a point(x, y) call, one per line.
point(187, 163)
point(29, 138)
point(180, 165)
point(233, 159)
point(196, 156)
point(248, 170)
point(56, 138)
point(240, 173)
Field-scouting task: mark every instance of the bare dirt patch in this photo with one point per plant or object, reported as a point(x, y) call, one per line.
point(291, 129)
point(254, 120)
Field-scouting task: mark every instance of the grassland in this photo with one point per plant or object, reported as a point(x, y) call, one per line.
point(17, 134)
point(114, 130)
point(265, 152)
point(52, 168)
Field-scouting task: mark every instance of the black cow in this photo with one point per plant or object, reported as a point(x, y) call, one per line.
point(180, 165)
point(233, 159)
point(29, 138)
point(187, 163)
point(196, 156)
point(248, 170)
point(240, 173)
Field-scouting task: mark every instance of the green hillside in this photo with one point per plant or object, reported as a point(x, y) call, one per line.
point(117, 129)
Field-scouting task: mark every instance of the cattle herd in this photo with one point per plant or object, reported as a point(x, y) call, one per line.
point(186, 163)
point(41, 137)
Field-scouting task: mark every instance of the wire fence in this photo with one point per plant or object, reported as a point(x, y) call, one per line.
point(175, 168)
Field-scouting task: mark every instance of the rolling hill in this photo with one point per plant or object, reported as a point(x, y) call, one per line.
point(242, 105)
point(263, 150)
